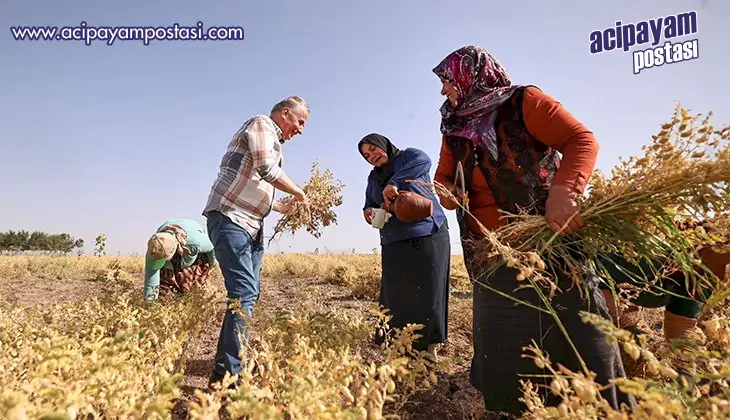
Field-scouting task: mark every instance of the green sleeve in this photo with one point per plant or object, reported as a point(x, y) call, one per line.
point(207, 251)
point(199, 244)
point(188, 258)
point(151, 280)
point(200, 241)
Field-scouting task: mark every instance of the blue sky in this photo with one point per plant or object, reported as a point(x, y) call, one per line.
point(119, 138)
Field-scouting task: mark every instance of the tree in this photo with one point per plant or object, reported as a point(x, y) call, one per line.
point(38, 242)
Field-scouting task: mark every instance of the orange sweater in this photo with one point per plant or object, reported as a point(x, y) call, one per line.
point(550, 123)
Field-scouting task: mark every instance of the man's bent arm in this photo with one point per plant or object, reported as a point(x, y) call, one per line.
point(284, 183)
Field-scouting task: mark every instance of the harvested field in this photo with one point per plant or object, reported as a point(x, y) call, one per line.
point(301, 284)
point(343, 286)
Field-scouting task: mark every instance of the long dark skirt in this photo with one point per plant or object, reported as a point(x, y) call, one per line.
point(415, 285)
point(502, 327)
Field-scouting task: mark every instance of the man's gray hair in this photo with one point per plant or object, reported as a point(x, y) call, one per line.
point(291, 102)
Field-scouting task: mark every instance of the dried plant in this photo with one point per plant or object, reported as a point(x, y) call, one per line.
point(684, 173)
point(664, 394)
point(713, 232)
point(118, 357)
point(306, 365)
point(323, 194)
point(90, 359)
point(102, 358)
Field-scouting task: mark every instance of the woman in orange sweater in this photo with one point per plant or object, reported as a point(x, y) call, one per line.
point(507, 139)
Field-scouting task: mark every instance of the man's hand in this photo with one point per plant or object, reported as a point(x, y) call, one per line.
point(390, 193)
point(280, 207)
point(368, 213)
point(301, 196)
point(284, 183)
point(561, 210)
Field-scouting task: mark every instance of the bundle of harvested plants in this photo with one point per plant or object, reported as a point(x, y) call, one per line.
point(634, 213)
point(323, 195)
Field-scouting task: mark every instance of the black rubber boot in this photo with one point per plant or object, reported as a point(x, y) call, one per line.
point(637, 332)
point(217, 378)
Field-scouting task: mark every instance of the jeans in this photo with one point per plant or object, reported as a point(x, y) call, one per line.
point(240, 257)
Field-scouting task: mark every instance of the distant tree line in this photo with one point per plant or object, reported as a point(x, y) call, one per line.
point(38, 242)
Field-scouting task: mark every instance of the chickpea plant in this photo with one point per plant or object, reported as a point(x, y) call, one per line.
point(100, 246)
point(663, 394)
point(323, 193)
point(118, 356)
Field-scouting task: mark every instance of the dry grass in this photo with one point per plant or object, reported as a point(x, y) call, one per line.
point(319, 345)
point(93, 357)
point(361, 272)
point(104, 346)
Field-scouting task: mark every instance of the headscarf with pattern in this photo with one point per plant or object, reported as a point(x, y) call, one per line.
point(181, 236)
point(483, 85)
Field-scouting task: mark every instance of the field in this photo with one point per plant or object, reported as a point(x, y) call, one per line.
point(76, 340)
point(61, 292)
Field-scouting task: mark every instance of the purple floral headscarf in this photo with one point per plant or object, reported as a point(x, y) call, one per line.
point(483, 85)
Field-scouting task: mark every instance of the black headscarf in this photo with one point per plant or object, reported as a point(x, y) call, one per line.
point(380, 174)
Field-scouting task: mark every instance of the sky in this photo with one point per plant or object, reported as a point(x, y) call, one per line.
point(120, 138)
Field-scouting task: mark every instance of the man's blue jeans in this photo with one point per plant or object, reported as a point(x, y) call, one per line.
point(240, 257)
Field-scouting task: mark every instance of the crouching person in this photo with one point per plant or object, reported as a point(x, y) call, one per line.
point(682, 309)
point(179, 258)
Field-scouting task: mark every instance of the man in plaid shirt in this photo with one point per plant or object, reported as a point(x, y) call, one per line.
point(239, 200)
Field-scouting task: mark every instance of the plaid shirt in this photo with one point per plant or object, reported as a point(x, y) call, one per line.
point(243, 191)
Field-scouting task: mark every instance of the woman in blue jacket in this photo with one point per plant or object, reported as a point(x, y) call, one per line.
point(415, 256)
